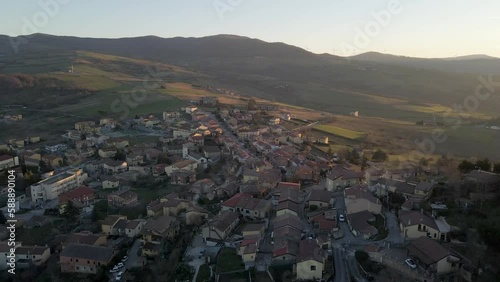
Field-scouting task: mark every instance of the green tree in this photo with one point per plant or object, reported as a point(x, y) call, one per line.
point(330, 152)
point(71, 212)
point(496, 168)
point(361, 256)
point(484, 164)
point(465, 166)
point(120, 155)
point(252, 105)
point(184, 272)
point(380, 156)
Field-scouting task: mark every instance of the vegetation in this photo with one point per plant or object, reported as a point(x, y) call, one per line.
point(379, 223)
point(184, 272)
point(361, 256)
point(204, 273)
point(342, 132)
point(71, 212)
point(228, 260)
point(380, 156)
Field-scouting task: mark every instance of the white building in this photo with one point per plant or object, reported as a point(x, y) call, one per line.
point(52, 187)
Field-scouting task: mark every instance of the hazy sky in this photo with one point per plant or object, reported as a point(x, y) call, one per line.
point(420, 28)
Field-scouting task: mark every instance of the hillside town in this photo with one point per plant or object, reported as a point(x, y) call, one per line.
point(211, 192)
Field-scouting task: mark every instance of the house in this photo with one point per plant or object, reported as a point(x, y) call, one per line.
point(29, 256)
point(161, 228)
point(415, 224)
point(285, 251)
point(134, 159)
point(183, 177)
point(112, 166)
point(151, 250)
point(282, 186)
point(483, 181)
point(109, 182)
point(107, 152)
point(341, 177)
point(86, 238)
point(119, 143)
point(80, 197)
point(171, 115)
point(80, 258)
point(25, 256)
point(433, 257)
point(191, 109)
point(310, 260)
point(108, 224)
point(359, 198)
point(250, 175)
point(251, 229)
point(7, 161)
point(287, 207)
point(359, 224)
point(424, 189)
point(269, 178)
point(184, 164)
point(324, 222)
point(53, 186)
point(122, 198)
point(82, 125)
point(212, 152)
point(196, 215)
point(320, 198)
point(134, 227)
point(218, 229)
point(247, 206)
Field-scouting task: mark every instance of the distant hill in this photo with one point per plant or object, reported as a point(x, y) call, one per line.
point(373, 83)
point(465, 64)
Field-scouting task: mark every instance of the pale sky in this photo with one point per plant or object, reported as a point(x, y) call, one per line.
point(417, 28)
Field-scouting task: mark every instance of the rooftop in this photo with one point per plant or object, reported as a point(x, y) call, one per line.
point(88, 252)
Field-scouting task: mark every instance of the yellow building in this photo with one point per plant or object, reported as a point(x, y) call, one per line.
point(310, 261)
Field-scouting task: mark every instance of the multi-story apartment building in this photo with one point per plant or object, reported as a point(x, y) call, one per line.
point(52, 187)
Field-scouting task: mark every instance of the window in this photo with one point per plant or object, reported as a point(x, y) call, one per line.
point(435, 235)
point(419, 227)
point(313, 267)
point(88, 262)
point(77, 268)
point(76, 260)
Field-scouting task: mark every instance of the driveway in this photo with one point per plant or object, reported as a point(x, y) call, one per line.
point(392, 224)
point(193, 253)
point(133, 255)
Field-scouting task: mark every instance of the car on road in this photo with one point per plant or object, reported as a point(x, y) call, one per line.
point(115, 269)
point(341, 218)
point(411, 263)
point(125, 258)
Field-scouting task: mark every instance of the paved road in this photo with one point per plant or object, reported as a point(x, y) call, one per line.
point(133, 255)
point(341, 274)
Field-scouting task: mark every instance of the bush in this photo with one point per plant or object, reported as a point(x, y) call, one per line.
point(380, 156)
point(361, 256)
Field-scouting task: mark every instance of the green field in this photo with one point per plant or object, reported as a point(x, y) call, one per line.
point(228, 260)
point(342, 132)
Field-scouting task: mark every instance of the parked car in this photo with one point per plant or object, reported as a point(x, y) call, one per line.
point(120, 265)
point(115, 269)
point(411, 263)
point(341, 218)
point(125, 258)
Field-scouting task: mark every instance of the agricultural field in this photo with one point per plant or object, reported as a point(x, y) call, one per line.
point(342, 132)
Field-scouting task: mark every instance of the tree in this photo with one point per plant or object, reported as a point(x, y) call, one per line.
point(484, 164)
point(184, 272)
point(361, 256)
point(496, 168)
point(330, 152)
point(120, 155)
point(3, 220)
point(364, 162)
point(465, 166)
point(71, 212)
point(379, 156)
point(252, 105)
